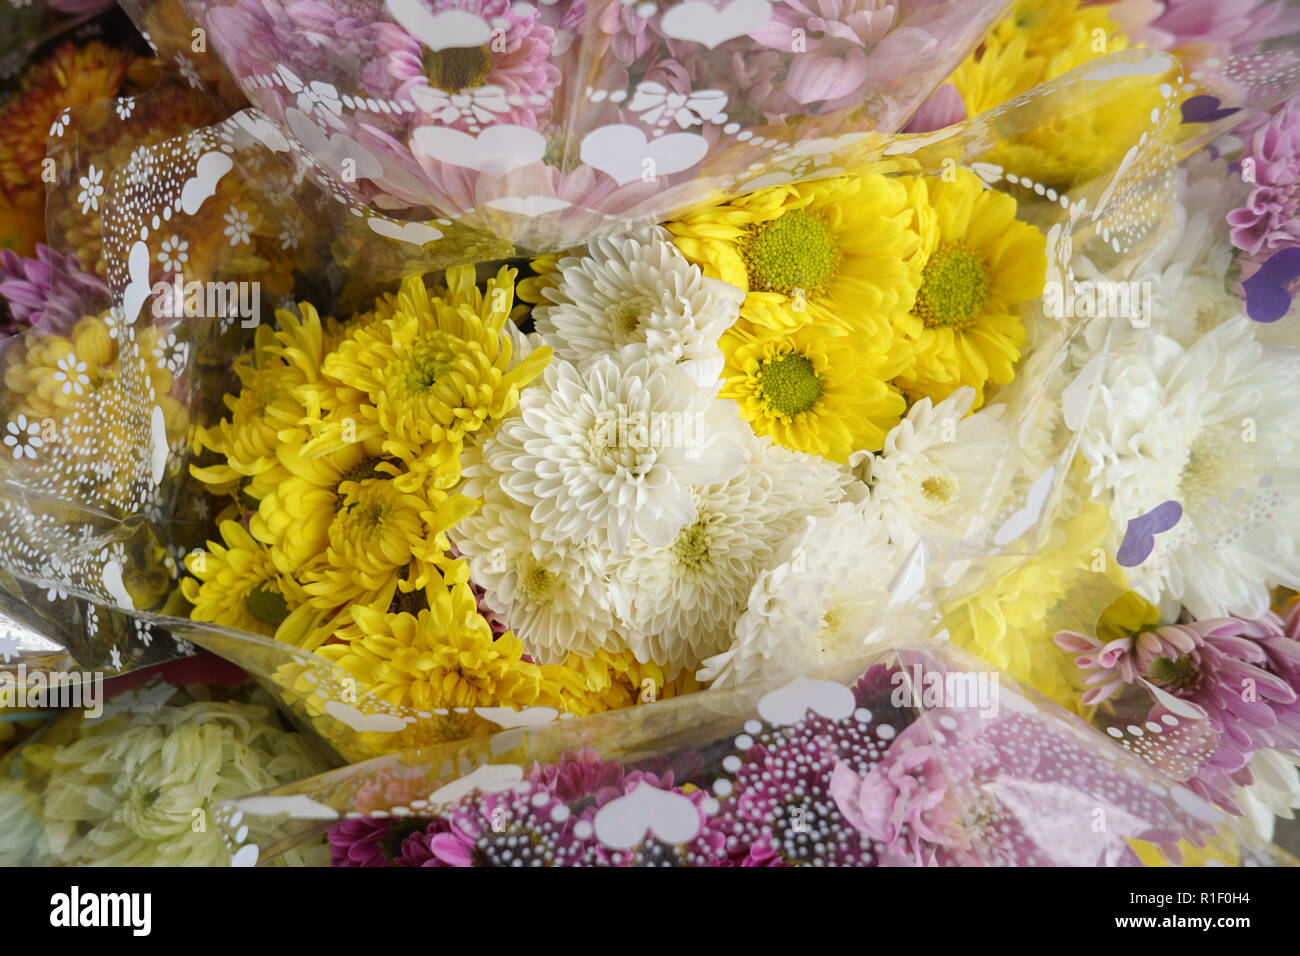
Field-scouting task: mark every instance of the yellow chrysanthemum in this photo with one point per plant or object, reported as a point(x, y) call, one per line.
point(978, 264)
point(1065, 141)
point(441, 657)
point(822, 394)
point(426, 378)
point(267, 411)
point(381, 535)
point(236, 585)
point(295, 513)
point(72, 385)
point(610, 681)
point(836, 253)
point(1038, 41)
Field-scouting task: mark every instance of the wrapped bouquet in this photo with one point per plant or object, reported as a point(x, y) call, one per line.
point(574, 414)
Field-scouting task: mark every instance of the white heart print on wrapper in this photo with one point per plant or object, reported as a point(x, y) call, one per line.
point(711, 26)
point(788, 704)
point(646, 812)
point(416, 233)
point(623, 153)
point(439, 31)
point(496, 150)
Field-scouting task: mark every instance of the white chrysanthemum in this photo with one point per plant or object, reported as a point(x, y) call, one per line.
point(820, 602)
point(636, 297)
point(936, 474)
point(610, 454)
point(680, 602)
point(551, 595)
point(1275, 791)
point(1216, 428)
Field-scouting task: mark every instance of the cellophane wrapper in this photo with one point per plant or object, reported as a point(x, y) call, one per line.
point(916, 756)
point(336, 183)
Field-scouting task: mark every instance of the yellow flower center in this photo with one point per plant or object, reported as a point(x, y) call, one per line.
point(457, 68)
point(938, 489)
point(619, 441)
point(796, 250)
point(1203, 475)
point(691, 549)
point(954, 288)
point(625, 319)
point(535, 582)
point(789, 384)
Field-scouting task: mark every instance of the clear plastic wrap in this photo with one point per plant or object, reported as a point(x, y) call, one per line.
point(917, 756)
point(342, 181)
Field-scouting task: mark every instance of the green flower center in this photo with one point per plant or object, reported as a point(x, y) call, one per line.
point(267, 606)
point(796, 250)
point(954, 288)
point(1175, 673)
point(457, 68)
point(789, 384)
point(423, 368)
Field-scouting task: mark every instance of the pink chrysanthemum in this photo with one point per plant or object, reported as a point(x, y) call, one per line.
point(840, 37)
point(507, 80)
point(1241, 674)
point(359, 842)
point(1205, 28)
point(1270, 220)
point(49, 291)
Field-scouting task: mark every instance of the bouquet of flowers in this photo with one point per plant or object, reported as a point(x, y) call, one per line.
point(507, 364)
point(910, 758)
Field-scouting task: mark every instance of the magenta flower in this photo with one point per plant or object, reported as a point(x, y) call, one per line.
point(50, 290)
point(525, 825)
point(1270, 220)
point(416, 850)
point(581, 779)
point(359, 842)
point(781, 812)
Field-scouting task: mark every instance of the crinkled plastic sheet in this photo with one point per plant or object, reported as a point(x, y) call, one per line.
point(919, 755)
point(97, 521)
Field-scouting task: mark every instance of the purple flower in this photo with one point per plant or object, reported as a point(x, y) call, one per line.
point(1241, 674)
point(49, 290)
point(507, 81)
point(958, 789)
point(1270, 220)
